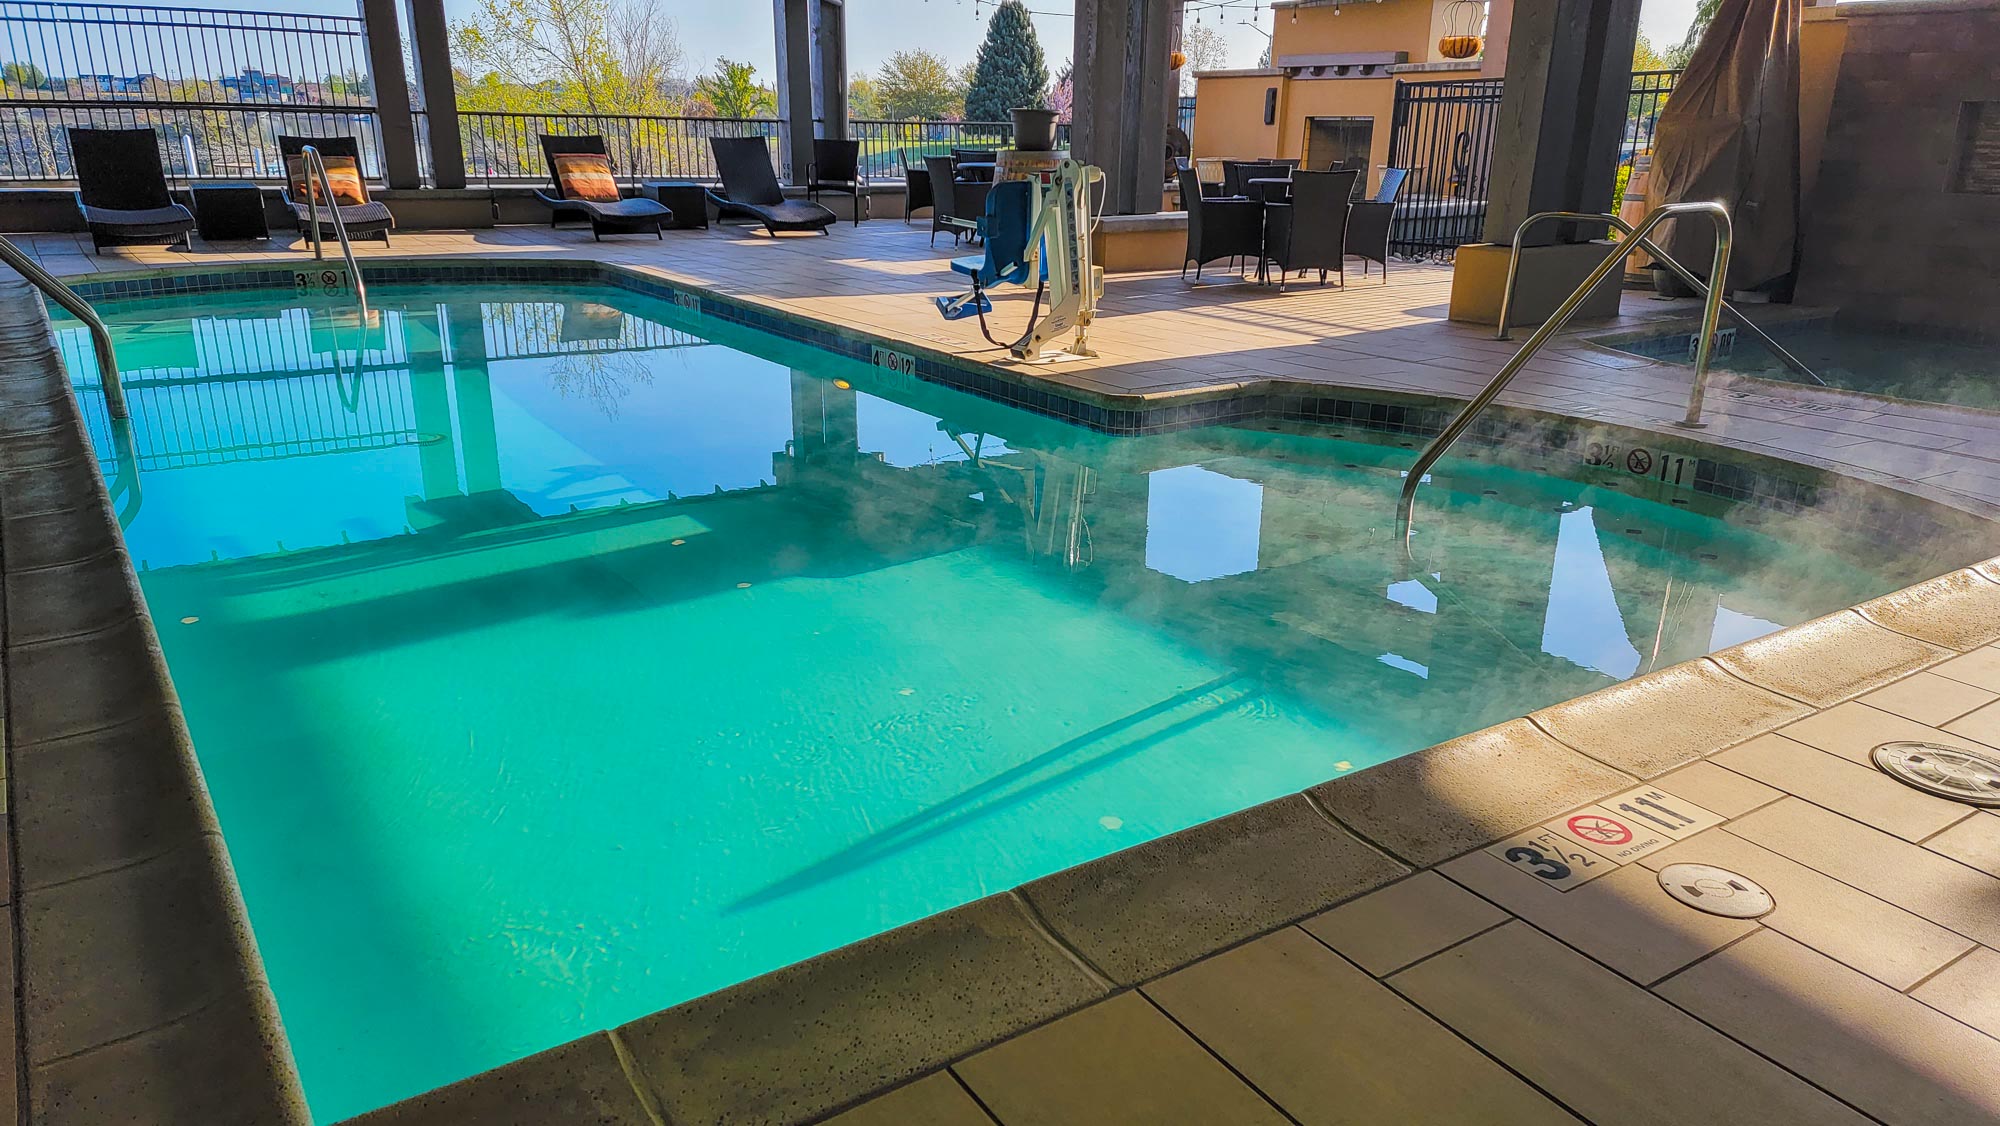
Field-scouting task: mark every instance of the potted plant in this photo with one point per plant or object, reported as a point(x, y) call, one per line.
point(1034, 129)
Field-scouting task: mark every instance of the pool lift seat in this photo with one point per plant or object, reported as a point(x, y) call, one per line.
point(1025, 225)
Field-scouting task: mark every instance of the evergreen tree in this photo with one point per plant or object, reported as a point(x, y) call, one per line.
point(1011, 72)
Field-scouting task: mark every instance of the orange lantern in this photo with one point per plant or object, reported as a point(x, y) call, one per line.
point(1179, 60)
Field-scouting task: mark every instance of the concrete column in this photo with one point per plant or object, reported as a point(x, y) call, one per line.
point(1569, 82)
point(1123, 76)
point(812, 75)
point(430, 38)
point(1555, 148)
point(392, 94)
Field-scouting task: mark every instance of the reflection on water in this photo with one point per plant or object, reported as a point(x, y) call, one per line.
point(555, 658)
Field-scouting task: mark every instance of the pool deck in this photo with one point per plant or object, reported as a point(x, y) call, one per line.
point(1355, 953)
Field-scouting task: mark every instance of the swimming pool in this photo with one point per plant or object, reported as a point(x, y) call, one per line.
point(556, 655)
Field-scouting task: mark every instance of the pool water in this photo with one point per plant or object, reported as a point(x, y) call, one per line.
point(554, 656)
point(1856, 358)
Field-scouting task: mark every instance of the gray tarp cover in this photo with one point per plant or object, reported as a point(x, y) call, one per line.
point(1730, 132)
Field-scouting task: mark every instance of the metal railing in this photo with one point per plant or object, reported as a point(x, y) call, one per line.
point(884, 142)
point(507, 147)
point(320, 198)
point(1666, 261)
point(100, 336)
point(1711, 314)
point(1443, 133)
point(218, 86)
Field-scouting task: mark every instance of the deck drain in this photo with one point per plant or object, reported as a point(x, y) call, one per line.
point(1948, 772)
point(1717, 891)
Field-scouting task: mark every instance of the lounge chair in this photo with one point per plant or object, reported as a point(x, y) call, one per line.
point(586, 190)
point(836, 167)
point(956, 204)
point(750, 189)
point(1218, 228)
point(359, 214)
point(1310, 232)
point(916, 186)
point(1369, 224)
point(121, 189)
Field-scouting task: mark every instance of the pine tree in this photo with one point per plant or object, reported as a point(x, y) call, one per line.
point(1011, 72)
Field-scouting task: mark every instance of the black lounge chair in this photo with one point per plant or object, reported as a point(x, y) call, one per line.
point(750, 189)
point(1310, 232)
point(916, 186)
point(1369, 225)
point(368, 217)
point(605, 216)
point(121, 189)
point(1218, 228)
point(836, 167)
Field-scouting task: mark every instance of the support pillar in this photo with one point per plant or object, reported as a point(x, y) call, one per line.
point(430, 39)
point(392, 94)
point(812, 75)
point(1555, 148)
point(1123, 75)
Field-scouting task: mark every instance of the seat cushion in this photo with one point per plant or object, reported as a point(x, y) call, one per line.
point(343, 176)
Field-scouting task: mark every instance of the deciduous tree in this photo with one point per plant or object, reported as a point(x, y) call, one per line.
point(733, 91)
point(918, 84)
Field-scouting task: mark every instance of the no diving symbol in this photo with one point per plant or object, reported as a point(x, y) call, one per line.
point(1599, 830)
point(1639, 461)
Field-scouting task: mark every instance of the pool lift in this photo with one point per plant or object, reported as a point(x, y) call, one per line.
point(1042, 230)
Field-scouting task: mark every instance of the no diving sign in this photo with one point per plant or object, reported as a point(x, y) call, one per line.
point(1592, 841)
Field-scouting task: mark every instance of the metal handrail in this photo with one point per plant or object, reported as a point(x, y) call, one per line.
point(1711, 313)
point(318, 184)
point(100, 336)
point(1505, 331)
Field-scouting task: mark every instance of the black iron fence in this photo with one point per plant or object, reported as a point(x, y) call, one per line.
point(218, 86)
point(886, 145)
point(1443, 133)
point(503, 147)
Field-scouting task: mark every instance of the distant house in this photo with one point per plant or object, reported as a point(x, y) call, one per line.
point(116, 85)
point(257, 85)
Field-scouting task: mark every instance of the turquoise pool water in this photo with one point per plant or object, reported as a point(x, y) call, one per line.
point(553, 656)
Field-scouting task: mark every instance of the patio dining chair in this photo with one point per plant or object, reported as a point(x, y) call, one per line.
point(836, 167)
point(916, 186)
point(1310, 232)
point(121, 189)
point(956, 204)
point(1369, 227)
point(342, 156)
point(1218, 227)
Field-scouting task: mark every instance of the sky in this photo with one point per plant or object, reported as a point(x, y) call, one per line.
point(876, 29)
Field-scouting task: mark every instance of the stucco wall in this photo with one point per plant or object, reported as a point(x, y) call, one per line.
point(1885, 236)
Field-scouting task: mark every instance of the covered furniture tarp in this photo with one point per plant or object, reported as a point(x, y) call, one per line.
point(1730, 132)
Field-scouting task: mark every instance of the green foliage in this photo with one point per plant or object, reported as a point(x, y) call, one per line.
point(1704, 14)
point(23, 76)
point(918, 84)
point(567, 56)
point(1010, 72)
point(862, 100)
point(733, 91)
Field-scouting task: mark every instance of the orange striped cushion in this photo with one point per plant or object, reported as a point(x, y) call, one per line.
point(586, 175)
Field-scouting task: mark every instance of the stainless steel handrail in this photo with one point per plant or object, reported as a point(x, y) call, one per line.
point(1711, 312)
point(1506, 331)
point(319, 185)
point(100, 336)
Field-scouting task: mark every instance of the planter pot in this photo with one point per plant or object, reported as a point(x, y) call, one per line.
point(1034, 130)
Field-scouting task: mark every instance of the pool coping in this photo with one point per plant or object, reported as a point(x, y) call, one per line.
point(800, 1042)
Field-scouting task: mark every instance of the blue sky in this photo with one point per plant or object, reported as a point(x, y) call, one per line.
point(878, 28)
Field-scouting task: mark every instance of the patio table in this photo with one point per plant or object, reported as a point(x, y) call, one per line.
point(981, 170)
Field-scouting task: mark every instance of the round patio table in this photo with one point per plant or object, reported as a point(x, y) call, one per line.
point(1269, 189)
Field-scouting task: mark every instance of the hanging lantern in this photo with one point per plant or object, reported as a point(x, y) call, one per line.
point(1463, 22)
point(1179, 60)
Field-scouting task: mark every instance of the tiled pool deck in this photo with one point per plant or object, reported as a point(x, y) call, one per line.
point(1351, 954)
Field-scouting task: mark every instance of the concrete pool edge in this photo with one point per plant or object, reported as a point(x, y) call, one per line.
point(140, 991)
point(1037, 933)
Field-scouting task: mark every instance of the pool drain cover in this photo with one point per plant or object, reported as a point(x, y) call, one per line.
point(1717, 891)
point(1948, 772)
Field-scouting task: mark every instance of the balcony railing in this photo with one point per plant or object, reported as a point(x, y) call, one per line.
point(506, 147)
